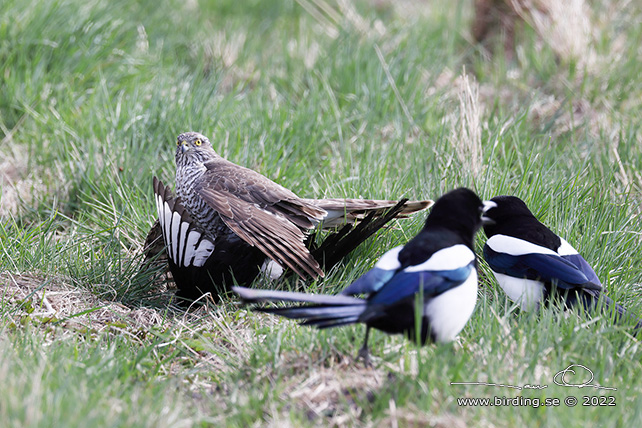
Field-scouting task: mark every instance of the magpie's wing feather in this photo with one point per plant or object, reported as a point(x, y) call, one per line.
point(432, 283)
point(586, 269)
point(376, 278)
point(546, 267)
point(552, 267)
point(404, 286)
point(369, 282)
point(499, 262)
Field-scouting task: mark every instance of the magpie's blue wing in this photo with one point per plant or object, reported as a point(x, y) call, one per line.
point(376, 277)
point(369, 282)
point(405, 284)
point(586, 269)
point(566, 272)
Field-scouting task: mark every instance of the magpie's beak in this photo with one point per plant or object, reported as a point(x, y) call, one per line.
point(184, 147)
point(488, 205)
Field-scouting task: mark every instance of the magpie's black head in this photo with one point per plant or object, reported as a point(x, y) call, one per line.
point(507, 210)
point(459, 210)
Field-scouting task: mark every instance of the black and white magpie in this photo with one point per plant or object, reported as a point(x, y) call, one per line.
point(531, 262)
point(438, 265)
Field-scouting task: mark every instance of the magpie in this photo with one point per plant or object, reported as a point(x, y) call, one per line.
point(437, 269)
point(532, 263)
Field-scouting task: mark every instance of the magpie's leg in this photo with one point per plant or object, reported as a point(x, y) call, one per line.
point(364, 352)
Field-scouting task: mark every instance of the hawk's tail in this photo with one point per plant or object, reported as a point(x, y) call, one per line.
point(351, 211)
point(340, 243)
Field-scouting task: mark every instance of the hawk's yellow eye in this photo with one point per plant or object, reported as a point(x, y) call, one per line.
point(197, 142)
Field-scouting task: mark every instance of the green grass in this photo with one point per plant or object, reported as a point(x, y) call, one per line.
point(359, 102)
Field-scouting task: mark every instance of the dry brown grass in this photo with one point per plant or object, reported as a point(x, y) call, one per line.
point(18, 184)
point(51, 298)
point(412, 417)
point(466, 135)
point(332, 393)
point(564, 25)
point(331, 17)
point(210, 338)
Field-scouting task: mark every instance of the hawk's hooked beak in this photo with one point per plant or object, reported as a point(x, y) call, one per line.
point(485, 219)
point(184, 147)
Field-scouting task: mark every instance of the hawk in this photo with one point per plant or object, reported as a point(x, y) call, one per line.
point(228, 223)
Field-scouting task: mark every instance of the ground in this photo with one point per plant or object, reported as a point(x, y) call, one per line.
point(375, 99)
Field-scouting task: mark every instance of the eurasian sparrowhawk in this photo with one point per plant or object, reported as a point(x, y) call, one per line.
point(228, 223)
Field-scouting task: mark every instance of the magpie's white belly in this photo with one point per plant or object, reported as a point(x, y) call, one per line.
point(449, 312)
point(527, 293)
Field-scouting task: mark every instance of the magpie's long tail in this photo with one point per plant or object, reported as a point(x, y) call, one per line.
point(321, 311)
point(622, 315)
point(594, 302)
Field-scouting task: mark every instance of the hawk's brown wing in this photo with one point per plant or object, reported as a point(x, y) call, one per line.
point(262, 213)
